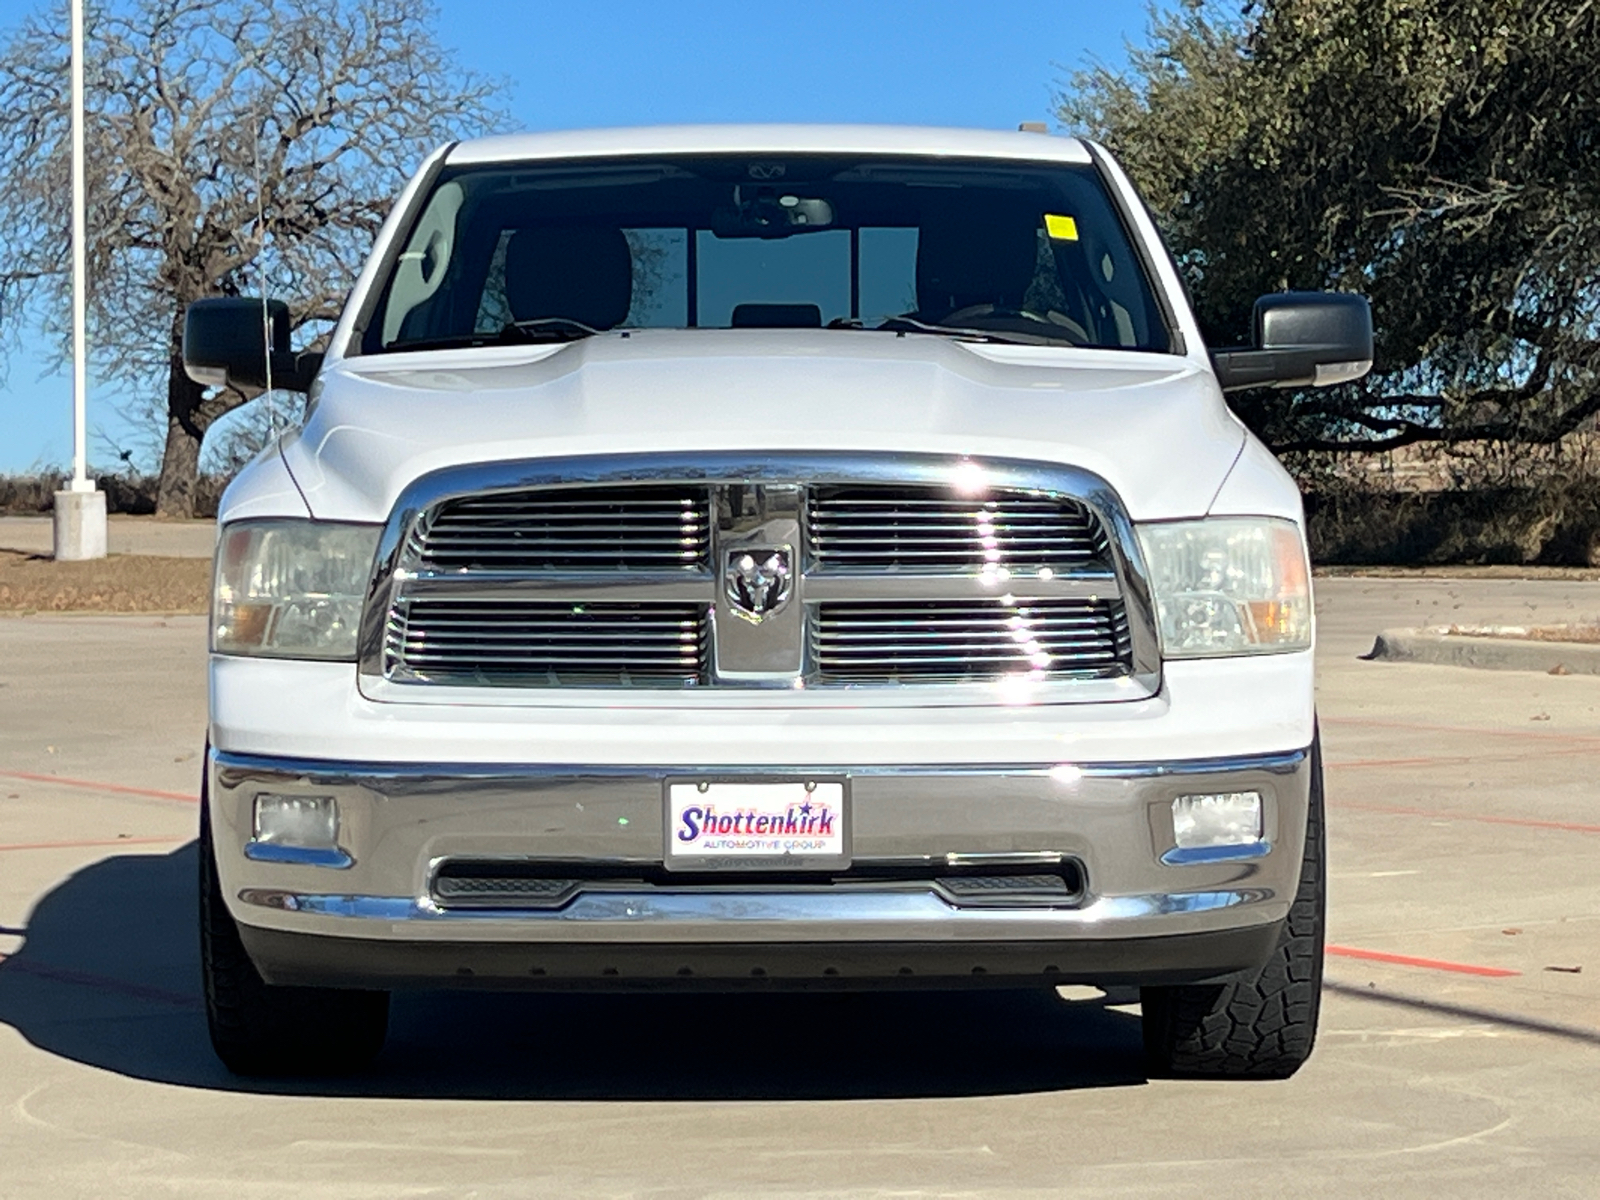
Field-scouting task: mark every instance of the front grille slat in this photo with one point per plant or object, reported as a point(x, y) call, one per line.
point(1046, 639)
point(939, 535)
point(951, 526)
point(948, 554)
point(579, 535)
point(544, 549)
point(680, 632)
point(962, 664)
point(1093, 630)
point(590, 664)
point(924, 528)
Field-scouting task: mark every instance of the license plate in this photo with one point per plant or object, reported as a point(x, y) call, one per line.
point(734, 825)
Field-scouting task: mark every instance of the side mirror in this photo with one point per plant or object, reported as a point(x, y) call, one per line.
point(1302, 339)
point(225, 343)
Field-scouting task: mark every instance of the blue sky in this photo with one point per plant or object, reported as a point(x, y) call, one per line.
point(934, 62)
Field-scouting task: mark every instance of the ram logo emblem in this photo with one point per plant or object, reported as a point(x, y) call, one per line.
point(758, 581)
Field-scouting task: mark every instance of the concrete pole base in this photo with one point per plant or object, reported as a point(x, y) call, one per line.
point(80, 526)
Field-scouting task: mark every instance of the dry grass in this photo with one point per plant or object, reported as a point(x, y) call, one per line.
point(1490, 503)
point(123, 583)
point(130, 492)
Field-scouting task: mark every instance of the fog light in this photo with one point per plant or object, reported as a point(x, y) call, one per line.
point(1216, 819)
point(306, 822)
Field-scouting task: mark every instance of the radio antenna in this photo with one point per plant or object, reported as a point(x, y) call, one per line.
point(261, 265)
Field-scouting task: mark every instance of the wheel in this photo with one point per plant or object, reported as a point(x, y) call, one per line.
point(259, 1029)
point(1263, 1024)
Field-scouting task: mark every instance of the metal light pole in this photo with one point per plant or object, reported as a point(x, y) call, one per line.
point(80, 509)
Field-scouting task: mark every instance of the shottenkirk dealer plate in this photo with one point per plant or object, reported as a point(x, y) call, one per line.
point(757, 825)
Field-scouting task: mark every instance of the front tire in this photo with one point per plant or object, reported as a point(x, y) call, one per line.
point(1261, 1025)
point(259, 1029)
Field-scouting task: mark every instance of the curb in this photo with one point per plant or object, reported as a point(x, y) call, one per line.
point(1486, 653)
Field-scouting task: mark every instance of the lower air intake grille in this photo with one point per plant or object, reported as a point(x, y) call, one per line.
point(958, 640)
point(534, 642)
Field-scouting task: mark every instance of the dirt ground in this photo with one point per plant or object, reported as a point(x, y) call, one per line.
point(122, 583)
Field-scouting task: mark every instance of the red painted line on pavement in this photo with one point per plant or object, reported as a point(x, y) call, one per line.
point(1424, 727)
point(96, 786)
point(1399, 762)
point(1456, 760)
point(103, 983)
point(1520, 756)
point(127, 841)
point(1483, 818)
point(1407, 960)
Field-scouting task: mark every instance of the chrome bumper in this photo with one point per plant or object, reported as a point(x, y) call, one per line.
point(305, 920)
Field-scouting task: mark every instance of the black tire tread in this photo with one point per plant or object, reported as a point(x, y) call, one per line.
point(1262, 1025)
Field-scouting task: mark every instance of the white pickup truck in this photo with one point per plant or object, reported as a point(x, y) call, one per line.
point(766, 557)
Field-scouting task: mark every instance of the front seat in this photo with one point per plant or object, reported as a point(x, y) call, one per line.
point(581, 273)
point(965, 262)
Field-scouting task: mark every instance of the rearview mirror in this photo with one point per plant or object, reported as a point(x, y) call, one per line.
point(765, 214)
point(1302, 339)
point(226, 343)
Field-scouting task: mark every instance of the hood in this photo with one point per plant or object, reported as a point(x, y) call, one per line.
point(1153, 426)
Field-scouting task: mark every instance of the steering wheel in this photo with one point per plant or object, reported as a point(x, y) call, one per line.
point(1057, 323)
point(989, 310)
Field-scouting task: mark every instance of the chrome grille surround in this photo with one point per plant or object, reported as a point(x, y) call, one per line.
point(977, 521)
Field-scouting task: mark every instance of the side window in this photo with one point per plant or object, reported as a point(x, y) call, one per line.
point(425, 261)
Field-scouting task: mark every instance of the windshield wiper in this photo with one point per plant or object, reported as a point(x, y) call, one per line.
point(455, 342)
point(539, 329)
point(912, 325)
point(547, 329)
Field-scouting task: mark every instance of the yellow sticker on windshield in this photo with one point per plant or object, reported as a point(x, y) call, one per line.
point(1060, 229)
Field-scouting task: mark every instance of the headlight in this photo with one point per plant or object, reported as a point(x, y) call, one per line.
point(1229, 585)
point(291, 589)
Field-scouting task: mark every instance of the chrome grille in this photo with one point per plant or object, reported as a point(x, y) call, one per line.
point(899, 569)
point(928, 529)
point(574, 529)
point(470, 640)
point(944, 640)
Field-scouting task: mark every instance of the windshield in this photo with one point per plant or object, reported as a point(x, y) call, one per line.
point(1022, 252)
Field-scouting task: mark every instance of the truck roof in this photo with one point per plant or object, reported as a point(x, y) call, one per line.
point(770, 139)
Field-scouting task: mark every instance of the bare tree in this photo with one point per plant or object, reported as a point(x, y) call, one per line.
point(232, 145)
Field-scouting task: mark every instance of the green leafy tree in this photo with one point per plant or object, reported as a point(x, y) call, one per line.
point(1440, 156)
point(231, 145)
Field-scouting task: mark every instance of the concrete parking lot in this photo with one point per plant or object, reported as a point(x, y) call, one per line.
point(1459, 1056)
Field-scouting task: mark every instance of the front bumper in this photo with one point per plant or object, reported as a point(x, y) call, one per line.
point(368, 915)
